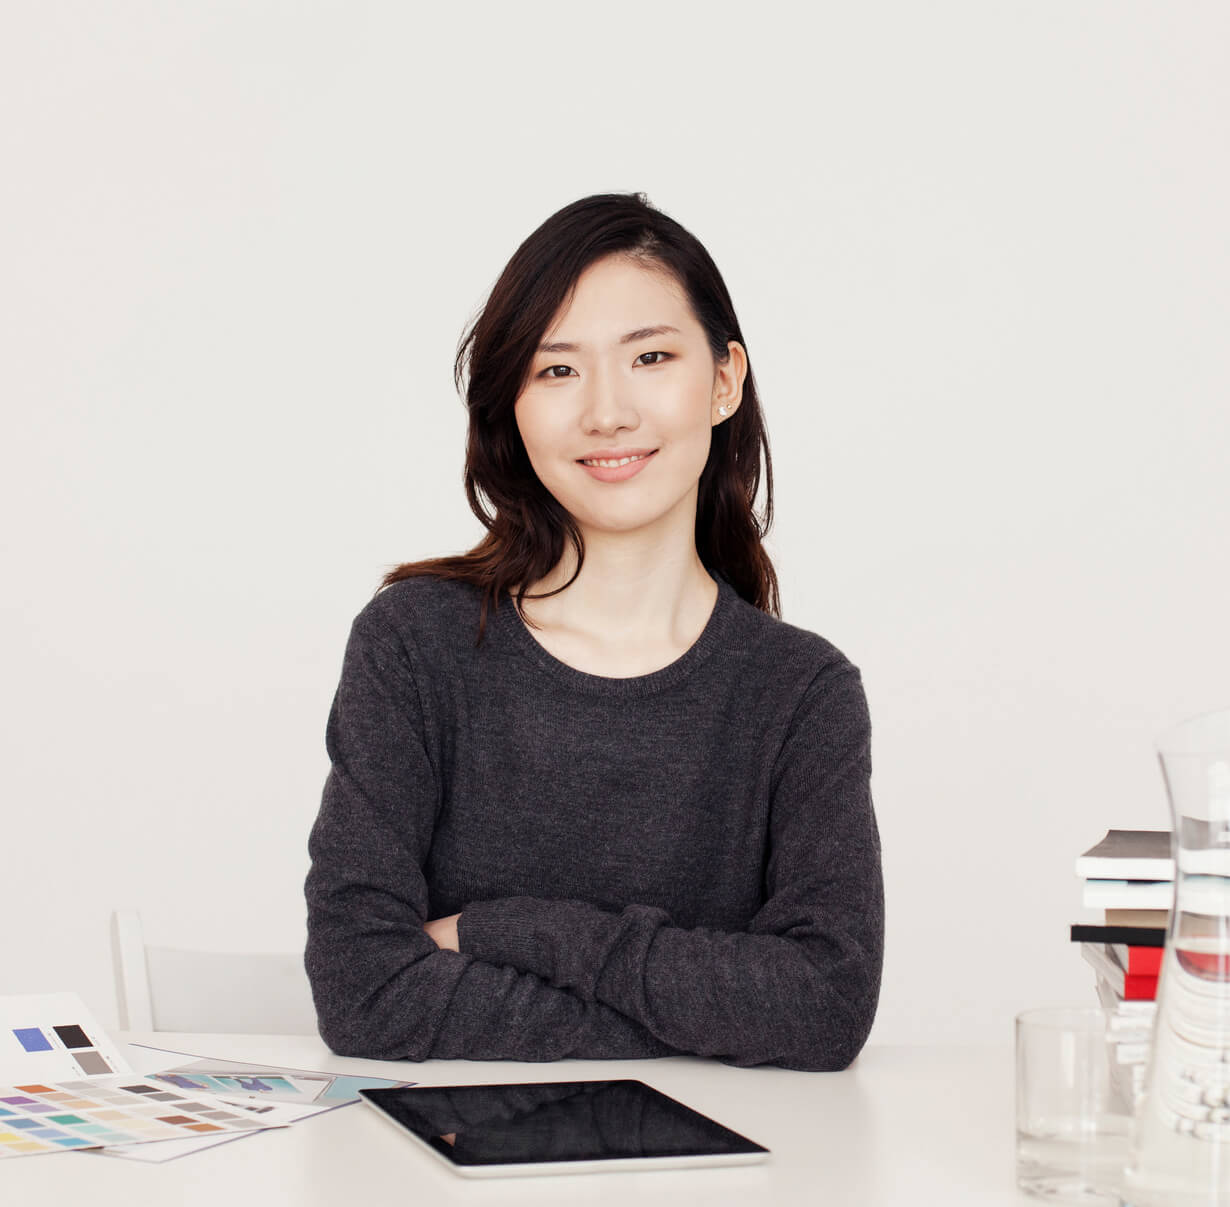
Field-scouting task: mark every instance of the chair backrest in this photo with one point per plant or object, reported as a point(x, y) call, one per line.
point(171, 989)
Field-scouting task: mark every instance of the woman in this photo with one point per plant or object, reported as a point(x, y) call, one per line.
point(633, 816)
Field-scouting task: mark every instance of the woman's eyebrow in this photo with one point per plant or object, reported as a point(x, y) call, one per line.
point(631, 337)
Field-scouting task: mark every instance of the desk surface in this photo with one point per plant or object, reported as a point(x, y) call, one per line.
point(902, 1125)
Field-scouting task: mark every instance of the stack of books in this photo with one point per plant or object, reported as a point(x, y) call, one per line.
point(1129, 878)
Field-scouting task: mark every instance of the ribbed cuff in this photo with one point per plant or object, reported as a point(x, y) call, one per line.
point(508, 930)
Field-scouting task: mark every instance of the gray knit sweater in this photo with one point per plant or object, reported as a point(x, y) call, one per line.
point(680, 862)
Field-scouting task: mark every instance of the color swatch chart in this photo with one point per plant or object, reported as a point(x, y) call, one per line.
point(72, 1039)
point(42, 1117)
point(50, 1037)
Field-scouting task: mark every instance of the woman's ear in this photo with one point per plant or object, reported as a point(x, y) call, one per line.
point(728, 381)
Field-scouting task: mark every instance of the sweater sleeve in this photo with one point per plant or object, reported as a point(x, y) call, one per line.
point(799, 987)
point(381, 987)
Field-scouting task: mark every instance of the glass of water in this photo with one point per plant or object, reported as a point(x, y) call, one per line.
point(1074, 1106)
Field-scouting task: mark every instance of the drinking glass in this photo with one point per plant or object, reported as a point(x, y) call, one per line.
point(1073, 1106)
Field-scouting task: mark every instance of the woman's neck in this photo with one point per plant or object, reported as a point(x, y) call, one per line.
point(616, 601)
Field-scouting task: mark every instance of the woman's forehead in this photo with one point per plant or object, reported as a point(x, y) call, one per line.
point(617, 297)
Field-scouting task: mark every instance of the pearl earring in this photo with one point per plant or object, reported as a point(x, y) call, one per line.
point(722, 410)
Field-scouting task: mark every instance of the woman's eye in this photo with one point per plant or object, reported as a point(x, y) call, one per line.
point(550, 372)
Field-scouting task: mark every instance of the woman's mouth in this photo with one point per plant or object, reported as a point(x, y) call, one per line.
point(617, 470)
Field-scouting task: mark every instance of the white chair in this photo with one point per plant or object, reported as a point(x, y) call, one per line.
point(170, 989)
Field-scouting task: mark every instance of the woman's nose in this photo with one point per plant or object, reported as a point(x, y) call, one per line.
point(608, 400)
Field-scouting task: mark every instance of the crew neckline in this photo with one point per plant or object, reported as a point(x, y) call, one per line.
point(712, 636)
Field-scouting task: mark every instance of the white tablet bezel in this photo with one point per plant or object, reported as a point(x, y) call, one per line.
point(611, 1164)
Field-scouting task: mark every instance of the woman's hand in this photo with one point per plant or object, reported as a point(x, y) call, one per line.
point(443, 932)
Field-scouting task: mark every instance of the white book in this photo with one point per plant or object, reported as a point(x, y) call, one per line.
point(1128, 855)
point(1128, 1040)
point(1147, 854)
point(1128, 1026)
point(1202, 893)
point(1127, 894)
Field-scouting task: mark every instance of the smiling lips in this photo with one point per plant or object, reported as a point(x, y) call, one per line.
point(619, 471)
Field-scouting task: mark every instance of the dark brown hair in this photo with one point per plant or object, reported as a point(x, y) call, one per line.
point(527, 527)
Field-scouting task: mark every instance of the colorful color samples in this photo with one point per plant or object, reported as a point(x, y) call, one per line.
point(35, 1117)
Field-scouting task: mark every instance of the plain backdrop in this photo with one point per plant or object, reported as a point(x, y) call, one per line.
point(979, 254)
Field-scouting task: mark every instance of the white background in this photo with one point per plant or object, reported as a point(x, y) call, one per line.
point(979, 252)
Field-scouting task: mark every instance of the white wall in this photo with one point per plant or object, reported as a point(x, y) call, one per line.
point(979, 253)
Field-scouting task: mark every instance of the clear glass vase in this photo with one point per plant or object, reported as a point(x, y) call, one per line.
point(1181, 1150)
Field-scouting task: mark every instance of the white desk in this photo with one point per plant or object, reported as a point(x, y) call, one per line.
point(903, 1125)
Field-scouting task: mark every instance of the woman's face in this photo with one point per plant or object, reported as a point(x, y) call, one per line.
point(593, 388)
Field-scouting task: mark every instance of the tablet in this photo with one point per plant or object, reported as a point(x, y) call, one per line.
point(559, 1127)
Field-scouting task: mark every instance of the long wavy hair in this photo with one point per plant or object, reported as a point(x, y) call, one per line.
point(526, 526)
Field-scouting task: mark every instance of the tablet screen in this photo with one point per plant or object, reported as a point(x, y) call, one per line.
point(555, 1122)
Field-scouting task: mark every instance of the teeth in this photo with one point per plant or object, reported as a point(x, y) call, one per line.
point(615, 464)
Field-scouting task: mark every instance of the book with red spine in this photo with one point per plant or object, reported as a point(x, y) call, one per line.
point(1138, 961)
point(1129, 986)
